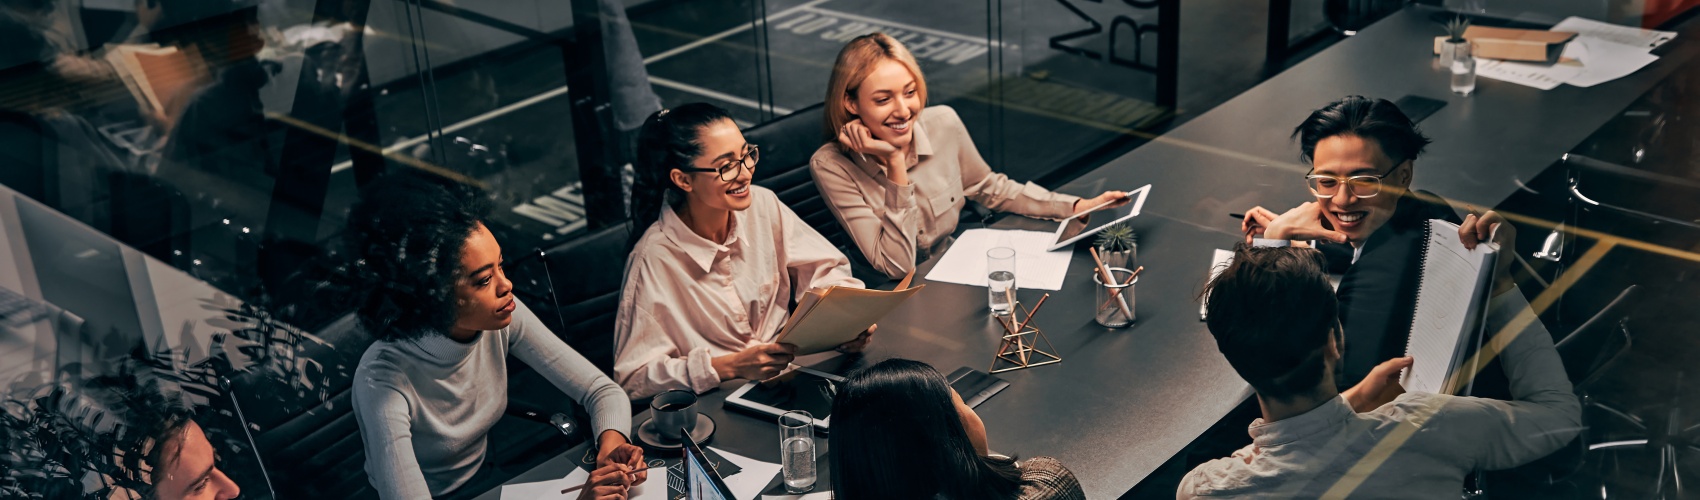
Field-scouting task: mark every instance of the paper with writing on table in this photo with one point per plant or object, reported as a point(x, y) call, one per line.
point(824, 319)
point(1218, 262)
point(1604, 61)
point(1451, 303)
point(1035, 267)
point(1626, 35)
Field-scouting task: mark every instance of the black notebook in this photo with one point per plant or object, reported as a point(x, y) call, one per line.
point(1453, 288)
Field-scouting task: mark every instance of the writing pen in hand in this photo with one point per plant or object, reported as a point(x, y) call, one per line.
point(582, 486)
point(1237, 216)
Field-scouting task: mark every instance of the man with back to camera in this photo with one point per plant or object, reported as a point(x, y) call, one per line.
point(1273, 314)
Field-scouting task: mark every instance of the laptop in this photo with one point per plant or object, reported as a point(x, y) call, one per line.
point(702, 481)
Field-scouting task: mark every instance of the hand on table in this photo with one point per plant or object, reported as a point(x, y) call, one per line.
point(611, 482)
point(1380, 387)
point(1491, 226)
point(757, 362)
point(861, 341)
point(615, 449)
point(1304, 222)
point(1118, 198)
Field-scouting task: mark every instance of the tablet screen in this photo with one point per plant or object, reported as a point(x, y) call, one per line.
point(796, 390)
point(1090, 222)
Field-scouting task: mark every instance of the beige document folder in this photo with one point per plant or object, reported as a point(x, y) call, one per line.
point(824, 319)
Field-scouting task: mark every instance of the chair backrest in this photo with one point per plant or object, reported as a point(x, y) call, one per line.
point(575, 288)
point(786, 146)
point(1597, 341)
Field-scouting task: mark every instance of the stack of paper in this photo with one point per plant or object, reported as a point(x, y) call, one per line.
point(1600, 53)
point(747, 484)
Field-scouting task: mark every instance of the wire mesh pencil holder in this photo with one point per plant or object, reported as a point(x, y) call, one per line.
point(1021, 344)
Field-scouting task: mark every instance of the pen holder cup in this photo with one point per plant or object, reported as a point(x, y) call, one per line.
point(1115, 301)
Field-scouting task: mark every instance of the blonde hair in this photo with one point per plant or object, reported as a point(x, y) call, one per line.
point(855, 63)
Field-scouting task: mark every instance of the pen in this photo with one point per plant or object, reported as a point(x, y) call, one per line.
point(1237, 216)
point(582, 486)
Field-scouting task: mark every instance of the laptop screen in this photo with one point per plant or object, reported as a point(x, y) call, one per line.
point(702, 482)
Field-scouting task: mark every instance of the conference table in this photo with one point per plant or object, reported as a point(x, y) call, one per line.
point(1124, 401)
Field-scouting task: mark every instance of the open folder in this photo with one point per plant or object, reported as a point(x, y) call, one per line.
point(1452, 295)
point(826, 318)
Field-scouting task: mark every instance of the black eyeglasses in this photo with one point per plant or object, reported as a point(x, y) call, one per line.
point(1362, 186)
point(729, 171)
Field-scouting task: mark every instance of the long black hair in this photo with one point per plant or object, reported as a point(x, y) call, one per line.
point(408, 230)
point(669, 139)
point(896, 434)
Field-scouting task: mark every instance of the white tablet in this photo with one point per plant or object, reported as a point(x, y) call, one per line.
point(1091, 221)
point(798, 389)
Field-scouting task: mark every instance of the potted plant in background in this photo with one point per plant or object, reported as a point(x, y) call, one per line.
point(1454, 39)
point(1456, 57)
point(1118, 246)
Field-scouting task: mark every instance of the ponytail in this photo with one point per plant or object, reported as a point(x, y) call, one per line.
point(667, 141)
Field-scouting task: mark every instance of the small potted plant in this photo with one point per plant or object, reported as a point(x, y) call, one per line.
point(1454, 39)
point(1118, 246)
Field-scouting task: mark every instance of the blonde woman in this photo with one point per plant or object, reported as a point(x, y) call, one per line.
point(899, 172)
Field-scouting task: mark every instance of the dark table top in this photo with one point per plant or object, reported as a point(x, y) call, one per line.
point(1124, 401)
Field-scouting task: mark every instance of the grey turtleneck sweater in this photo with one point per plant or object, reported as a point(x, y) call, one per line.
point(425, 405)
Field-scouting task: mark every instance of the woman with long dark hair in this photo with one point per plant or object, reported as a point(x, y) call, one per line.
point(899, 431)
point(442, 309)
point(716, 261)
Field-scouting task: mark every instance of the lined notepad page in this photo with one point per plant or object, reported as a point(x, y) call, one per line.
point(1449, 277)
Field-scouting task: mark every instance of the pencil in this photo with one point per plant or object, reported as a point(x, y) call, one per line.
point(1108, 278)
point(582, 486)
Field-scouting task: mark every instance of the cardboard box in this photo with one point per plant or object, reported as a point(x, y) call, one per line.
point(1514, 44)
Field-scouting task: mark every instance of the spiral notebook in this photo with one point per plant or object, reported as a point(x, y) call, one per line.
point(1452, 295)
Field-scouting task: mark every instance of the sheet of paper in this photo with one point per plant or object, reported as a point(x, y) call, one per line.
point(1604, 61)
point(1539, 76)
point(1450, 275)
point(1218, 262)
point(818, 495)
point(1035, 268)
point(1645, 40)
point(755, 476)
point(548, 489)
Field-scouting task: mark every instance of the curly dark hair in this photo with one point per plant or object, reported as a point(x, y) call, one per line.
point(407, 232)
point(122, 428)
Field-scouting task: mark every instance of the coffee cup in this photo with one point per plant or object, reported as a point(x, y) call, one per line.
point(675, 412)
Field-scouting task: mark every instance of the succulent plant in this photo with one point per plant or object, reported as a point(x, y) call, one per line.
point(1116, 238)
point(1455, 29)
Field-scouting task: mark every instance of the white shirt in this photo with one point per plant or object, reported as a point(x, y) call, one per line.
point(1420, 445)
point(688, 299)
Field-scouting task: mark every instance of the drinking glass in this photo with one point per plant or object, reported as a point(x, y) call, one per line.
point(797, 450)
point(1000, 280)
point(1115, 300)
point(1463, 70)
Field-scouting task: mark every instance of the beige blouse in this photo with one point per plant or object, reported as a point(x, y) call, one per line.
point(896, 226)
point(688, 299)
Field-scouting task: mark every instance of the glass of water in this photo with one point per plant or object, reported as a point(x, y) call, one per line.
point(1463, 70)
point(797, 450)
point(1000, 280)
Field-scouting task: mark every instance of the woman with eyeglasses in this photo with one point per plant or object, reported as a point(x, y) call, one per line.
point(716, 261)
point(896, 173)
point(1363, 156)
